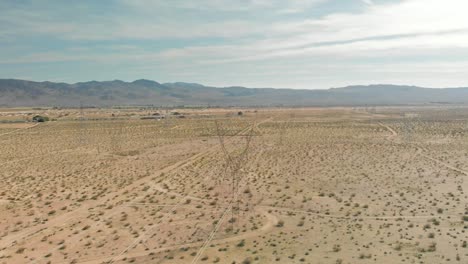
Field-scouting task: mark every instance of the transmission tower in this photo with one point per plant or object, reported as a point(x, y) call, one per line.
point(81, 126)
point(233, 166)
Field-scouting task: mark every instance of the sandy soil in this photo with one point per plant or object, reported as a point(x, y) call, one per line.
point(305, 185)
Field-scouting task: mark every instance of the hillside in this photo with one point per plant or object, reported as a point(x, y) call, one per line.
point(146, 92)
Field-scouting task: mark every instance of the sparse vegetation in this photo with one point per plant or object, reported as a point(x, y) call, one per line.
point(329, 185)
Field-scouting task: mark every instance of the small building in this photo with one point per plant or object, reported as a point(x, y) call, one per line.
point(152, 117)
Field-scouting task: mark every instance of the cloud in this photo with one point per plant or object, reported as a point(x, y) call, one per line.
point(222, 5)
point(145, 19)
point(248, 38)
point(385, 26)
point(408, 25)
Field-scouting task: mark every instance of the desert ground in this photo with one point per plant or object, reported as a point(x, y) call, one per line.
point(267, 185)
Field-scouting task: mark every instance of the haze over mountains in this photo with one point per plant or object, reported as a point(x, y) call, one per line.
point(15, 92)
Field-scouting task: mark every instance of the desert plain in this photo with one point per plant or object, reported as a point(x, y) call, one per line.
point(227, 185)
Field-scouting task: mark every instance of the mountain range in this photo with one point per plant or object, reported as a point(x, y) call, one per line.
point(14, 93)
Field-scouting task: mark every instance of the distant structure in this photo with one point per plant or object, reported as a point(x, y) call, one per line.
point(82, 126)
point(159, 117)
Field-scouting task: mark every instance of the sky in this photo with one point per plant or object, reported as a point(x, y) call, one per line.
point(303, 44)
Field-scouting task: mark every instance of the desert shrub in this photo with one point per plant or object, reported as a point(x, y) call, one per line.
point(247, 261)
point(241, 243)
point(336, 248)
point(280, 223)
point(40, 119)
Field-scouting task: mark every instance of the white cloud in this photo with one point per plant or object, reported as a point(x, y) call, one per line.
point(222, 5)
point(256, 33)
point(412, 24)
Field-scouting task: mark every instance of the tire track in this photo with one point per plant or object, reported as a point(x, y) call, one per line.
point(19, 129)
point(271, 221)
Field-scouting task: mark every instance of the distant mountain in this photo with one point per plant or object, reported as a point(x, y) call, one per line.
point(146, 92)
